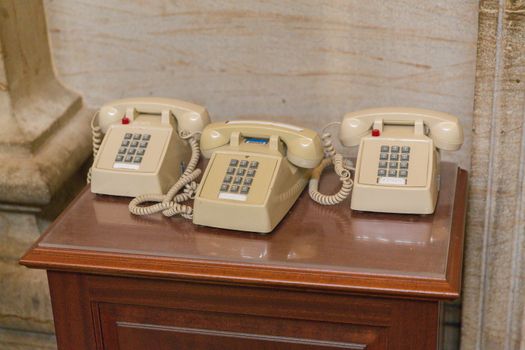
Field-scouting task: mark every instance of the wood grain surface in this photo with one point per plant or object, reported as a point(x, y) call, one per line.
point(307, 61)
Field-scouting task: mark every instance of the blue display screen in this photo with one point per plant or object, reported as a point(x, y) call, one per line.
point(258, 140)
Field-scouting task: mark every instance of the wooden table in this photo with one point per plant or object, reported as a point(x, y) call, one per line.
point(326, 277)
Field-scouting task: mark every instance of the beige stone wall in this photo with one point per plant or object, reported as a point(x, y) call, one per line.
point(311, 61)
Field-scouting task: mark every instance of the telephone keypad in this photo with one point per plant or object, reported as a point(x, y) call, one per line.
point(129, 151)
point(393, 161)
point(240, 174)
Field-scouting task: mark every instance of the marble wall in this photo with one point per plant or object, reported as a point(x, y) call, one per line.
point(306, 61)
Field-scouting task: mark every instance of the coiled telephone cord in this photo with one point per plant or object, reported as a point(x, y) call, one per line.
point(96, 137)
point(170, 203)
point(341, 167)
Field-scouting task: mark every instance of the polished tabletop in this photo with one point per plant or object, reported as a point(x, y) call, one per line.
point(324, 246)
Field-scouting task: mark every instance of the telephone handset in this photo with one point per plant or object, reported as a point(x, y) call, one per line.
point(397, 167)
point(256, 172)
point(138, 147)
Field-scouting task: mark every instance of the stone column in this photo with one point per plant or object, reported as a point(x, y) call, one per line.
point(44, 139)
point(493, 294)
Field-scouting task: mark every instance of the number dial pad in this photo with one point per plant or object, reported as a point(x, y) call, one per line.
point(393, 161)
point(129, 151)
point(243, 178)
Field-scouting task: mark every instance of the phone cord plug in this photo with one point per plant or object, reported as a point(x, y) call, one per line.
point(96, 137)
point(170, 203)
point(341, 168)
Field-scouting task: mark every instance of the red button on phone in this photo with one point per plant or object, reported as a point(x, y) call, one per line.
point(376, 132)
point(125, 120)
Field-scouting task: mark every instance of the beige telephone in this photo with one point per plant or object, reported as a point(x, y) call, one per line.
point(397, 169)
point(142, 150)
point(256, 172)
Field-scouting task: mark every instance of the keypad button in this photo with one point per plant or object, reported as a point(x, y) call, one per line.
point(132, 150)
point(245, 189)
point(403, 173)
point(383, 156)
point(128, 159)
point(137, 159)
point(119, 158)
point(122, 150)
point(383, 164)
point(125, 143)
point(385, 148)
point(405, 156)
point(128, 136)
point(134, 143)
point(254, 164)
point(146, 137)
point(405, 149)
point(393, 165)
point(227, 179)
point(225, 188)
point(394, 149)
point(238, 180)
point(392, 172)
point(141, 151)
point(230, 171)
point(143, 144)
point(381, 172)
point(234, 162)
point(234, 188)
point(241, 171)
point(394, 156)
point(137, 136)
point(248, 181)
point(244, 163)
point(403, 165)
point(251, 173)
